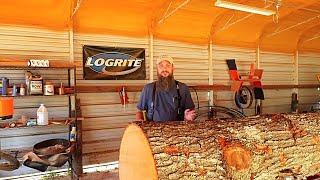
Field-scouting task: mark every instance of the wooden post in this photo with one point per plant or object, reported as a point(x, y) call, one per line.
point(210, 59)
point(77, 155)
point(151, 57)
point(296, 71)
point(258, 61)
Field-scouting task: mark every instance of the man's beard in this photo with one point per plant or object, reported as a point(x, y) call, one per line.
point(165, 83)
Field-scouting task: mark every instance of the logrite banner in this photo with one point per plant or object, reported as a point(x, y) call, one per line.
point(113, 63)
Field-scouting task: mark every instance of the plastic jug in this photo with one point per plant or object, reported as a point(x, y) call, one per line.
point(42, 115)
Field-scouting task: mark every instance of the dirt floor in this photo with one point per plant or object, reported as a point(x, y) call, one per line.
point(110, 175)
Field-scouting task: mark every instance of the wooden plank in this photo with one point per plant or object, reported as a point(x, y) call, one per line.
point(135, 88)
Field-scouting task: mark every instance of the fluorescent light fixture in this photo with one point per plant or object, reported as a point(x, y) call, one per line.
point(245, 8)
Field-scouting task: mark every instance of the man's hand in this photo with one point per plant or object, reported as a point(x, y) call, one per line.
point(139, 116)
point(189, 114)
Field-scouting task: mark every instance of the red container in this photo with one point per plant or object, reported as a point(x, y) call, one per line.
point(6, 108)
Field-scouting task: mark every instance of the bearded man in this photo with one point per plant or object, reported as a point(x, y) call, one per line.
point(166, 99)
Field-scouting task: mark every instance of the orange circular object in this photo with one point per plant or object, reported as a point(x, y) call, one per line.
point(237, 156)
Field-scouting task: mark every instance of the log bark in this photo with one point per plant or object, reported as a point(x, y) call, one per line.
point(264, 147)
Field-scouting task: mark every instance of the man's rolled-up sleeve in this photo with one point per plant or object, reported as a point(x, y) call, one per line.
point(142, 104)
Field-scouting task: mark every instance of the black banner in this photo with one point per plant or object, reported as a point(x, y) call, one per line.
point(113, 63)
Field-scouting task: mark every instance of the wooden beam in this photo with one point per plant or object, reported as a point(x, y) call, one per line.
point(214, 87)
point(95, 89)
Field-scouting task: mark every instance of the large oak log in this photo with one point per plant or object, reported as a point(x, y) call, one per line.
point(266, 147)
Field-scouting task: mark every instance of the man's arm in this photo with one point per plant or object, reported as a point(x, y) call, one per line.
point(142, 105)
point(189, 113)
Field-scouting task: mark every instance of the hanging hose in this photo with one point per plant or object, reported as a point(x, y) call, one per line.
point(216, 111)
point(219, 112)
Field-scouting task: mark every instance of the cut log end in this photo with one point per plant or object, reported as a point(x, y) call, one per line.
point(136, 160)
point(237, 156)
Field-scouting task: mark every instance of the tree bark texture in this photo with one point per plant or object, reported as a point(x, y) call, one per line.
point(264, 147)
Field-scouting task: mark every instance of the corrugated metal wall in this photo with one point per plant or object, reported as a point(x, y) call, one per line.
point(17, 43)
point(28, 43)
point(105, 118)
point(278, 68)
point(309, 67)
point(190, 61)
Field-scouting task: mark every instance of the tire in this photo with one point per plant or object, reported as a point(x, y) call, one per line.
point(243, 98)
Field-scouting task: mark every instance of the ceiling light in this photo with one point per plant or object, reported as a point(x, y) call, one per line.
point(245, 8)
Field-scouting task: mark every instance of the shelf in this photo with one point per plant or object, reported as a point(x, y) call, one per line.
point(26, 96)
point(23, 64)
point(55, 126)
point(21, 138)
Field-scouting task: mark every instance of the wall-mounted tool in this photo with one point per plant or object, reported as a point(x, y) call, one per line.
point(123, 96)
point(243, 94)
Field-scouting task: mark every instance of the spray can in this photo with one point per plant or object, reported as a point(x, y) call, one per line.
point(42, 115)
point(5, 83)
point(73, 134)
point(14, 90)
